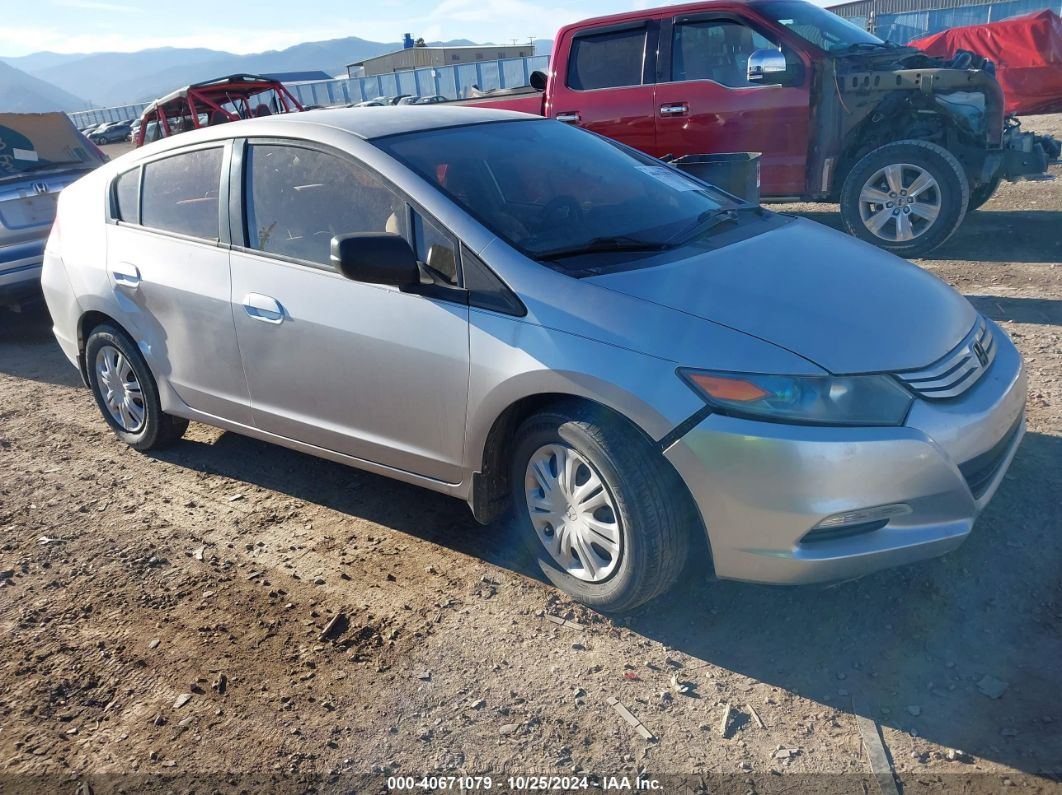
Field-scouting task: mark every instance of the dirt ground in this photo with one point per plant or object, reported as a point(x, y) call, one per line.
point(164, 615)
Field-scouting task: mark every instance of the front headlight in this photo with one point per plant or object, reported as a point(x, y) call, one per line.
point(800, 399)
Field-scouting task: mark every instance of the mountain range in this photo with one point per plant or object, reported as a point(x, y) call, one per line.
point(71, 81)
point(24, 93)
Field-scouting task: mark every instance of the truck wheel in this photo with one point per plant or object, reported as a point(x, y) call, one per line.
point(982, 193)
point(907, 197)
point(598, 508)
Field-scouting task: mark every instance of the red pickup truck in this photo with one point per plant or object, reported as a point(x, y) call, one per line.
point(904, 142)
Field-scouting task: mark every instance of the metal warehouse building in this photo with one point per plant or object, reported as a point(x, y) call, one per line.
point(420, 57)
point(903, 20)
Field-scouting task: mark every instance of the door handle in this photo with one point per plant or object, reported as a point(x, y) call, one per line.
point(126, 274)
point(568, 116)
point(675, 109)
point(264, 308)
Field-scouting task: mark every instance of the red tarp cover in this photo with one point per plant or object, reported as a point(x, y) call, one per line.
point(1027, 51)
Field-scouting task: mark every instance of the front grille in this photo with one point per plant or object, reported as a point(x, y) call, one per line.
point(981, 470)
point(957, 370)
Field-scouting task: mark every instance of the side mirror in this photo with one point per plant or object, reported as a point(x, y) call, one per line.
point(375, 258)
point(765, 64)
point(538, 80)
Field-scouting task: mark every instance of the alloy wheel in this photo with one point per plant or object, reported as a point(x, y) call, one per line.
point(900, 202)
point(572, 513)
point(120, 389)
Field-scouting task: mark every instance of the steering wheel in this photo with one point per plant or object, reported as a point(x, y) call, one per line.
point(560, 211)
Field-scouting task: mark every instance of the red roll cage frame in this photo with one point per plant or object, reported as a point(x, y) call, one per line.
point(221, 100)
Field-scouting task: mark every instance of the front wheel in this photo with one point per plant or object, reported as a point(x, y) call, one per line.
point(598, 508)
point(907, 197)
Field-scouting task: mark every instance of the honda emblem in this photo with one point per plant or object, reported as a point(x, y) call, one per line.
point(979, 352)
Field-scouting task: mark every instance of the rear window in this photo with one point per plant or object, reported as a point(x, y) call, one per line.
point(607, 60)
point(181, 194)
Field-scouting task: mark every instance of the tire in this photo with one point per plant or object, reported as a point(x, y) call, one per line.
point(982, 193)
point(112, 358)
point(649, 507)
point(902, 222)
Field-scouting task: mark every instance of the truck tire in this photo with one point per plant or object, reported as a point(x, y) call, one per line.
point(982, 193)
point(907, 197)
point(599, 509)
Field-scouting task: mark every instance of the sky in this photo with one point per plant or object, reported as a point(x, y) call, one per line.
point(75, 26)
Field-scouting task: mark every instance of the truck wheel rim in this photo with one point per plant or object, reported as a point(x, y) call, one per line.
point(120, 389)
point(572, 513)
point(900, 202)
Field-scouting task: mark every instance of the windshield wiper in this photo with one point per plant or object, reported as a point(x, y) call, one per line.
point(872, 45)
point(705, 222)
point(602, 244)
point(48, 164)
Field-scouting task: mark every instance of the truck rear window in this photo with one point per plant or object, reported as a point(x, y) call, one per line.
point(607, 60)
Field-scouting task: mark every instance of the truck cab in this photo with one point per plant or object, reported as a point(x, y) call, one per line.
point(904, 142)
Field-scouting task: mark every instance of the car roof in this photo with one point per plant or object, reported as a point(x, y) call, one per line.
point(366, 123)
point(370, 123)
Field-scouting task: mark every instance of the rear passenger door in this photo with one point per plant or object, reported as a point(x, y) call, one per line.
point(361, 369)
point(169, 268)
point(606, 83)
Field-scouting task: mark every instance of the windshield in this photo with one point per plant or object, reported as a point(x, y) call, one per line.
point(822, 28)
point(550, 189)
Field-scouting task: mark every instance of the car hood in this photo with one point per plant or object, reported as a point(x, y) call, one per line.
point(830, 298)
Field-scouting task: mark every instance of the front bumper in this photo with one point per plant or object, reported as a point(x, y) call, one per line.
point(761, 487)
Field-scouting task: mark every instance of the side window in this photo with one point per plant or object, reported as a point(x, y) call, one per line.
point(127, 196)
point(716, 49)
point(607, 60)
point(181, 193)
point(299, 199)
point(435, 249)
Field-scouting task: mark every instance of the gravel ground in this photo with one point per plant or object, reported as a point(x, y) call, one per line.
point(166, 614)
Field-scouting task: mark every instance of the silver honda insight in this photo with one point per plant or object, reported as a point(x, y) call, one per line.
point(548, 325)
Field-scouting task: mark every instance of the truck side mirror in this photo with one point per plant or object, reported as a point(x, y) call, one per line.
point(538, 80)
point(766, 66)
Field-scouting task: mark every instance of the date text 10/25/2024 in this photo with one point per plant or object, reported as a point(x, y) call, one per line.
point(522, 783)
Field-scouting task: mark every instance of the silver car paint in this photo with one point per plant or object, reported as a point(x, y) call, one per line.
point(759, 486)
point(846, 307)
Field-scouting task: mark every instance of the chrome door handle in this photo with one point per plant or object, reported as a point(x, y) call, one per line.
point(126, 274)
point(568, 117)
point(264, 308)
point(674, 109)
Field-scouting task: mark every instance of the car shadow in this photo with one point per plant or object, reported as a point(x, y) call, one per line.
point(1046, 311)
point(917, 639)
point(1029, 236)
point(28, 348)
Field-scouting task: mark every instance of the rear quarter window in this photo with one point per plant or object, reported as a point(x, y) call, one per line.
point(180, 194)
point(127, 196)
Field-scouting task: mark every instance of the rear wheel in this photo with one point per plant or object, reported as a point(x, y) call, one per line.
point(126, 392)
point(598, 508)
point(907, 197)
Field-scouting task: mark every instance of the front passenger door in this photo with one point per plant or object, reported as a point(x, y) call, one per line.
point(362, 369)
